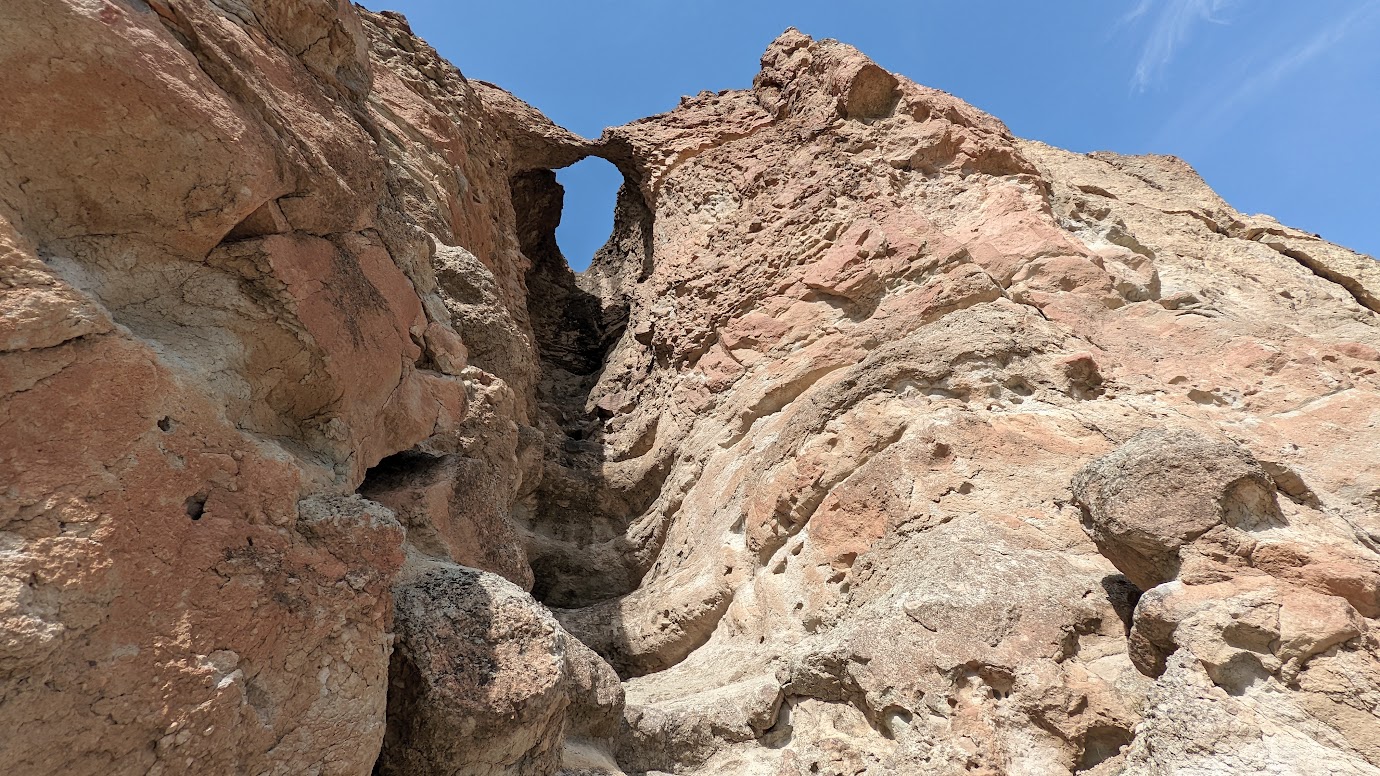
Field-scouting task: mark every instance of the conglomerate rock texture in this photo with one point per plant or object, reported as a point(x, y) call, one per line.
point(876, 440)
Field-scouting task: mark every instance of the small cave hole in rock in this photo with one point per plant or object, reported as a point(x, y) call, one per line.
point(397, 469)
point(166, 425)
point(1102, 743)
point(195, 506)
point(895, 720)
point(1123, 595)
point(591, 189)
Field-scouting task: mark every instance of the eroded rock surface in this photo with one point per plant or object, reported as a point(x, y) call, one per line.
point(239, 243)
point(483, 680)
point(876, 440)
point(885, 359)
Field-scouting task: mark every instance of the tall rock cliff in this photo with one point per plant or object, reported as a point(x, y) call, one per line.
point(876, 440)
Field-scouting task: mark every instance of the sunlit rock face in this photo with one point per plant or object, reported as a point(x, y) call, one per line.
point(876, 440)
point(974, 455)
point(239, 243)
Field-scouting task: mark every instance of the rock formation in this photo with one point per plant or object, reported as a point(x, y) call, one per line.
point(876, 440)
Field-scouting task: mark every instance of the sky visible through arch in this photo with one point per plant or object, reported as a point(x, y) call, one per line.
point(1275, 102)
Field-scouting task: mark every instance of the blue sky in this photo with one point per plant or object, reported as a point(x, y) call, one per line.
point(1275, 102)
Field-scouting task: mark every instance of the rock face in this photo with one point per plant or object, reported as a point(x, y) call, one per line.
point(236, 242)
point(885, 359)
point(876, 440)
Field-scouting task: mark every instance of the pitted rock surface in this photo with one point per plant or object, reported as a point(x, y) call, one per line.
point(875, 441)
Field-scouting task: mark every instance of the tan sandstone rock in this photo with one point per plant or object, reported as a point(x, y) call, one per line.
point(872, 346)
point(876, 440)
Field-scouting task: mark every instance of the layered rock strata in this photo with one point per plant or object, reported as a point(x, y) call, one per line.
point(876, 440)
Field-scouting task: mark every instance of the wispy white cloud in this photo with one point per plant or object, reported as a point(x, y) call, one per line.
point(1322, 41)
point(1260, 74)
point(1169, 28)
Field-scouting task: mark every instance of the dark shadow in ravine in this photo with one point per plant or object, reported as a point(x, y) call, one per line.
point(577, 519)
point(583, 555)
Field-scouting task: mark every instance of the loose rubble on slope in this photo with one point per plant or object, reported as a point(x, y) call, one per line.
point(876, 440)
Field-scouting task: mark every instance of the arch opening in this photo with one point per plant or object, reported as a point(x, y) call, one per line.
point(591, 191)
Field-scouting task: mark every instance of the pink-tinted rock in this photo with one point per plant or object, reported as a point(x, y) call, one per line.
point(876, 440)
